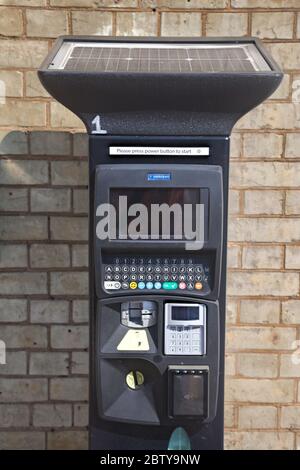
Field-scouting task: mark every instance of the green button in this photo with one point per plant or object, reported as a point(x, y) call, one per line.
point(170, 285)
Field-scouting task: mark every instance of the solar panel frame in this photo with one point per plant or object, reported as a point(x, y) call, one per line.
point(158, 57)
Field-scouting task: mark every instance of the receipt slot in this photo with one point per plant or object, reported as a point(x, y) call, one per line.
point(159, 113)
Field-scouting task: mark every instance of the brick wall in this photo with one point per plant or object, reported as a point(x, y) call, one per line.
point(43, 227)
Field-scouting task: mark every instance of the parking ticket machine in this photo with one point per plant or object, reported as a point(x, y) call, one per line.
point(159, 113)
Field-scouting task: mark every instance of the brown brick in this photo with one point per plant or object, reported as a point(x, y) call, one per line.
point(69, 283)
point(52, 415)
point(260, 311)
point(262, 145)
point(292, 202)
point(92, 22)
point(62, 117)
point(257, 365)
point(13, 256)
point(80, 363)
point(292, 257)
point(264, 3)
point(23, 283)
point(92, 4)
point(260, 440)
point(80, 201)
point(69, 228)
point(277, 174)
point(292, 148)
point(271, 115)
point(273, 25)
point(49, 363)
point(28, 172)
point(81, 415)
point(235, 145)
point(49, 256)
point(17, 53)
point(13, 199)
point(25, 3)
point(181, 24)
point(283, 90)
point(71, 173)
point(23, 390)
point(136, 24)
point(291, 311)
point(264, 230)
point(70, 389)
point(13, 310)
point(14, 416)
point(260, 390)
point(262, 257)
point(234, 205)
point(49, 311)
point(287, 57)
point(226, 24)
point(272, 338)
point(50, 200)
point(16, 363)
point(229, 416)
point(23, 113)
point(24, 336)
point(46, 23)
point(11, 23)
point(290, 417)
point(231, 311)
point(80, 311)
point(289, 365)
point(23, 227)
point(80, 256)
point(263, 283)
point(257, 417)
point(263, 202)
point(69, 337)
point(13, 82)
point(22, 440)
point(34, 88)
point(50, 143)
point(67, 440)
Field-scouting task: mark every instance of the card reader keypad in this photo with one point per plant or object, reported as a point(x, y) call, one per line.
point(156, 274)
point(184, 340)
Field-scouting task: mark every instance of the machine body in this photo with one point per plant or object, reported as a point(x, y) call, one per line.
point(159, 115)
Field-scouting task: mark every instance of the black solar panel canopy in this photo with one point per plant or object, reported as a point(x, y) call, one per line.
point(159, 85)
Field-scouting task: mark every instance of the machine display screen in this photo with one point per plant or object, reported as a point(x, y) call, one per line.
point(185, 313)
point(180, 205)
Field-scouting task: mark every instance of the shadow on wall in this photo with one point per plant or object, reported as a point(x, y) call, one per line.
point(44, 290)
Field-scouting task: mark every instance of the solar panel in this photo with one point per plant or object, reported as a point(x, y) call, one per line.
point(159, 58)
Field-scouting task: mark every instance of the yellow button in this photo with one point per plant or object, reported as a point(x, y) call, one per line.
point(133, 285)
point(198, 285)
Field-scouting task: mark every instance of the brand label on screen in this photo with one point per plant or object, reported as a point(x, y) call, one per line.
point(159, 151)
point(159, 176)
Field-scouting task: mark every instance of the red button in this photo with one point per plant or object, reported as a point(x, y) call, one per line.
point(182, 285)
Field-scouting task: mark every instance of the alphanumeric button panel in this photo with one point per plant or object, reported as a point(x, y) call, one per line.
point(156, 274)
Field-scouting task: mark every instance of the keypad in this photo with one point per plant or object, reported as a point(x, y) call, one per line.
point(156, 273)
point(183, 340)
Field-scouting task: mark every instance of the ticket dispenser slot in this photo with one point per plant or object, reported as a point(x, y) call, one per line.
point(188, 392)
point(137, 314)
point(185, 329)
